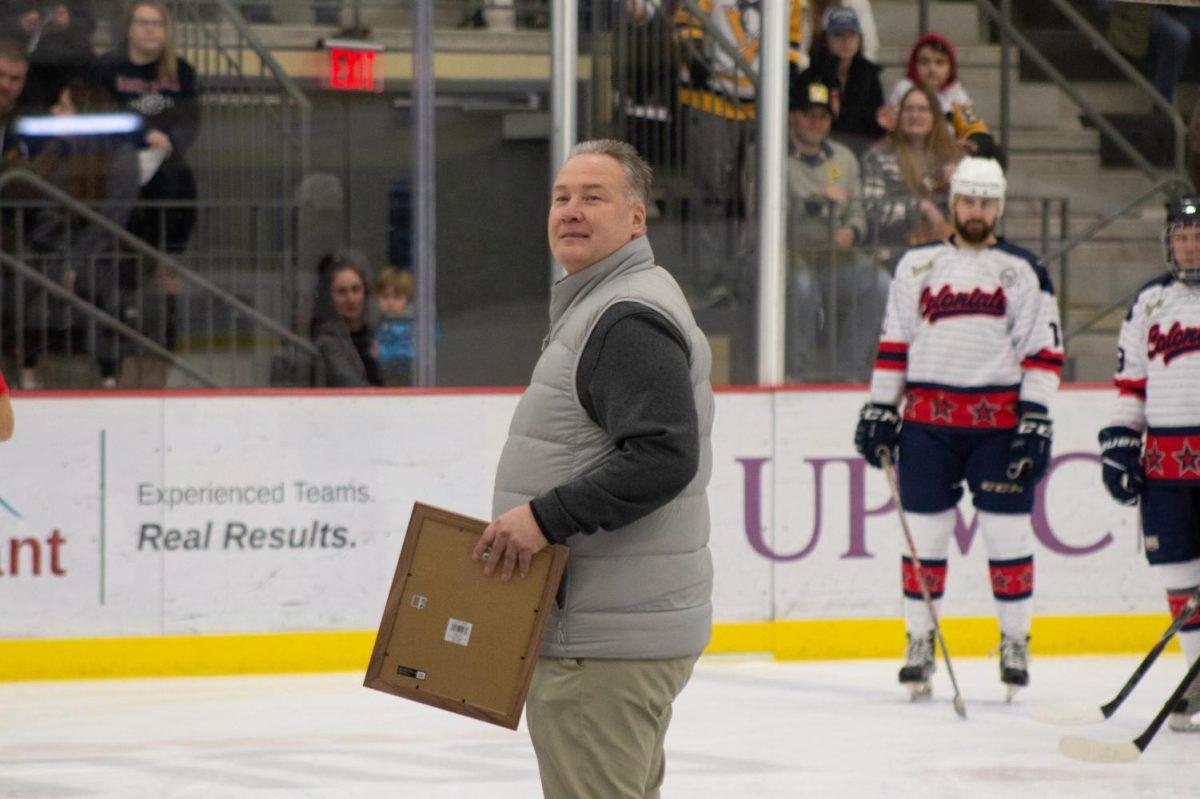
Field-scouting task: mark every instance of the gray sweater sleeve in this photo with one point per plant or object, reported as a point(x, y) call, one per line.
point(634, 381)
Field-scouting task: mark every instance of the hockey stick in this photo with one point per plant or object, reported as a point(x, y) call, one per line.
point(1092, 751)
point(1062, 714)
point(885, 457)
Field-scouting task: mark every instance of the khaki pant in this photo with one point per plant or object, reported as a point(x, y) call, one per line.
point(598, 725)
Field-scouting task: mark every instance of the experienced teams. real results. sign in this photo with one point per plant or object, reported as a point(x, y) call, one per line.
point(136, 516)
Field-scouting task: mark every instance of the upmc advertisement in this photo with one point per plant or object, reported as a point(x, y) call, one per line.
point(203, 514)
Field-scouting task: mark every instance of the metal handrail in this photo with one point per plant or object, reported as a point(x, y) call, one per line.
point(103, 318)
point(40, 184)
point(234, 18)
point(1009, 30)
point(1120, 62)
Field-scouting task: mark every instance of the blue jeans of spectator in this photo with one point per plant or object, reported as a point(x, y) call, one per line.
point(834, 315)
point(1172, 33)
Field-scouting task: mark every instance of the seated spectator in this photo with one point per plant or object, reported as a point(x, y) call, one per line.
point(816, 16)
point(838, 294)
point(933, 64)
point(102, 171)
point(394, 335)
point(339, 326)
point(906, 176)
point(839, 59)
point(58, 38)
point(144, 75)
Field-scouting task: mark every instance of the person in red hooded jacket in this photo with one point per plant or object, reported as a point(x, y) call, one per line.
point(933, 63)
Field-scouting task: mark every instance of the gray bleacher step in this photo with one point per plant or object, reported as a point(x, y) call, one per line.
point(898, 21)
point(1092, 355)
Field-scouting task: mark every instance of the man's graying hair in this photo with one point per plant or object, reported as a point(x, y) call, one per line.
point(638, 174)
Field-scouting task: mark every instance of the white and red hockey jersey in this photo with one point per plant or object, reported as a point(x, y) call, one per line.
point(1158, 377)
point(967, 335)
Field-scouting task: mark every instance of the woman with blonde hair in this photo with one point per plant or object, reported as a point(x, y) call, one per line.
point(906, 176)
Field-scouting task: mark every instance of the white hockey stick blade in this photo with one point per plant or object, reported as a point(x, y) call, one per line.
point(1090, 750)
point(960, 707)
point(1066, 714)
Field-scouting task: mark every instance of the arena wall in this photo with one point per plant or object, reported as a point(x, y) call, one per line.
point(217, 532)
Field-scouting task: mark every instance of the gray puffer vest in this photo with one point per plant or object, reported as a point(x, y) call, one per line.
point(643, 591)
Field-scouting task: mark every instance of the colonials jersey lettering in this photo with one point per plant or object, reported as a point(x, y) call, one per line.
point(948, 302)
point(968, 335)
point(1179, 340)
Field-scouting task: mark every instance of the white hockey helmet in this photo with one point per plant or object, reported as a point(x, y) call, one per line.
point(978, 177)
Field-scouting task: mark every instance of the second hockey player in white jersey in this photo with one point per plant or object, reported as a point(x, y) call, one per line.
point(1158, 384)
point(971, 349)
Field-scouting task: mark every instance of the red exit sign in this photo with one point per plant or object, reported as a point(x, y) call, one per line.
point(353, 70)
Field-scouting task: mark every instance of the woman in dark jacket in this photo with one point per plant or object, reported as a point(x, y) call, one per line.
point(838, 58)
point(339, 325)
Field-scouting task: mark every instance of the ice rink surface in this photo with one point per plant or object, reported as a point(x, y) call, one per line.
point(742, 728)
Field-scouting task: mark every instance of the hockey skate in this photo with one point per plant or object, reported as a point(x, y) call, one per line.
point(1182, 717)
point(1014, 664)
point(918, 667)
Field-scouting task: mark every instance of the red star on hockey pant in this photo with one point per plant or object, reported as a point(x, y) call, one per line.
point(911, 400)
point(1153, 459)
point(943, 408)
point(1188, 459)
point(984, 413)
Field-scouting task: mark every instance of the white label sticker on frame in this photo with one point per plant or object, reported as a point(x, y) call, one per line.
point(458, 631)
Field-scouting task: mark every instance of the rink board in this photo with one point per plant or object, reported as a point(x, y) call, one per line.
point(251, 531)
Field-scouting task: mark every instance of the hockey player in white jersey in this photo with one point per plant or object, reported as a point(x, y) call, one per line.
point(969, 359)
point(1158, 397)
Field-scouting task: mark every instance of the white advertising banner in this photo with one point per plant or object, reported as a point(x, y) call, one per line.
point(204, 514)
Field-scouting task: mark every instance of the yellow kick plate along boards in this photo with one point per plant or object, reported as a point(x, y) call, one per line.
point(451, 637)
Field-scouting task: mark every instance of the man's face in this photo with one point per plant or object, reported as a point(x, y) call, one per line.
point(1185, 245)
point(933, 68)
point(843, 44)
point(590, 213)
point(975, 217)
point(812, 125)
point(147, 30)
point(348, 294)
point(12, 81)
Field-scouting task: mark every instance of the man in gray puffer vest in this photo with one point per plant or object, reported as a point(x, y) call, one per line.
point(608, 452)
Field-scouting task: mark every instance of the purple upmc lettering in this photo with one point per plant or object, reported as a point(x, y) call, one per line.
point(858, 512)
point(1041, 522)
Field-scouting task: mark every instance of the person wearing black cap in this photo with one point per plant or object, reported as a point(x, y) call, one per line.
point(839, 59)
point(825, 222)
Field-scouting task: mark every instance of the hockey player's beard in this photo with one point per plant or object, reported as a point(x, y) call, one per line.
point(974, 231)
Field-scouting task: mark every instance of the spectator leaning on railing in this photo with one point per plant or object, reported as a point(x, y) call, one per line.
point(100, 170)
point(14, 69)
point(718, 96)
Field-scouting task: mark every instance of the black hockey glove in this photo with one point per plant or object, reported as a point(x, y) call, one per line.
point(1121, 457)
point(878, 429)
point(1029, 452)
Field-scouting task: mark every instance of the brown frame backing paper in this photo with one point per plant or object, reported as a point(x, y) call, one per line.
point(457, 640)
